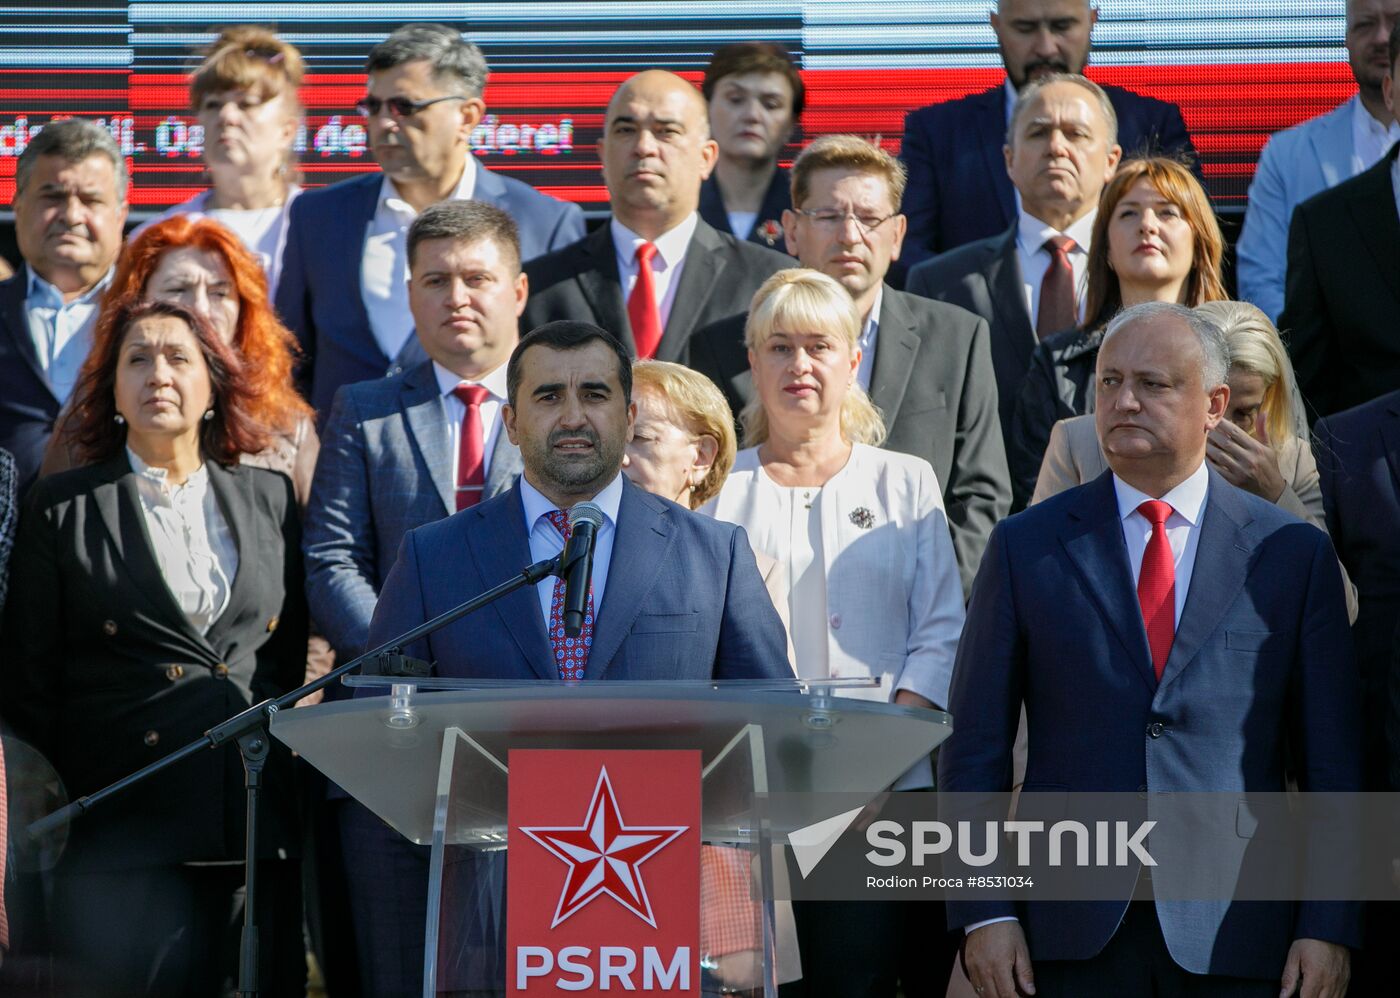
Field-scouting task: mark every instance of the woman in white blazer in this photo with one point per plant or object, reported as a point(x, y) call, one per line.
point(872, 579)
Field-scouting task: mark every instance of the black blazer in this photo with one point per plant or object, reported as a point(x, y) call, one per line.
point(103, 673)
point(28, 406)
point(768, 227)
point(581, 282)
point(985, 278)
point(1341, 308)
point(933, 383)
point(1358, 460)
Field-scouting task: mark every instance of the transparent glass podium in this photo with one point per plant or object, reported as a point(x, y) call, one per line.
point(432, 759)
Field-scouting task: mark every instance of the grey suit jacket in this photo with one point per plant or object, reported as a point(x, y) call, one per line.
point(985, 278)
point(385, 468)
point(581, 282)
point(934, 385)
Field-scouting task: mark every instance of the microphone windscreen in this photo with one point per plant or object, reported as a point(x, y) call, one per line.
point(586, 512)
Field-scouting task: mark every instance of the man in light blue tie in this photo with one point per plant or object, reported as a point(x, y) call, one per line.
point(70, 206)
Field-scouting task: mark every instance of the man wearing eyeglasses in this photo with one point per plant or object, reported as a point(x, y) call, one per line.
point(926, 365)
point(344, 289)
point(657, 272)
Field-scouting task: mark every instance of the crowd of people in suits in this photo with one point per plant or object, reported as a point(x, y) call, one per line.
point(981, 421)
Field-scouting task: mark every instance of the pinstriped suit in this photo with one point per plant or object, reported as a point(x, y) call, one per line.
point(385, 468)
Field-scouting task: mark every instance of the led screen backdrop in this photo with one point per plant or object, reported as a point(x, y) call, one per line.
point(1239, 69)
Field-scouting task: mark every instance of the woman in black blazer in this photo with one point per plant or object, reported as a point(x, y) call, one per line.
point(155, 592)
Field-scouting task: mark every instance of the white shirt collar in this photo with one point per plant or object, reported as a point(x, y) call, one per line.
point(1011, 96)
point(537, 505)
point(670, 245)
point(390, 198)
point(1032, 232)
point(39, 289)
point(155, 483)
point(1186, 500)
point(495, 382)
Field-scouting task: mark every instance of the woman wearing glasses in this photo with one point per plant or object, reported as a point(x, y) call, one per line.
point(244, 95)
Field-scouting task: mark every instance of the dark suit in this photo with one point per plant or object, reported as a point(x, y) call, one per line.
point(658, 620)
point(319, 295)
point(1341, 310)
point(104, 674)
point(581, 282)
point(1054, 623)
point(385, 468)
point(768, 227)
point(28, 406)
point(1358, 460)
point(985, 278)
point(933, 383)
point(958, 188)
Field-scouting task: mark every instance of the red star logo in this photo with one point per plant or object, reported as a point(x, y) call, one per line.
point(603, 855)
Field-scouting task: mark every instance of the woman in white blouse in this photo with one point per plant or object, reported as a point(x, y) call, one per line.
point(872, 580)
point(244, 97)
point(157, 590)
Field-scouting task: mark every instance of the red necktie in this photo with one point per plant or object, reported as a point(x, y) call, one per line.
point(1157, 585)
point(642, 308)
point(471, 451)
point(1058, 310)
point(570, 654)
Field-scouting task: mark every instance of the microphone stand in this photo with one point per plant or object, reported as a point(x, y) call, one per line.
point(249, 730)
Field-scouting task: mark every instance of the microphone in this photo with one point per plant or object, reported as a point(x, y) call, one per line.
point(576, 563)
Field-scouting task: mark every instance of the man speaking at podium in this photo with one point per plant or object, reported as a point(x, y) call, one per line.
point(674, 595)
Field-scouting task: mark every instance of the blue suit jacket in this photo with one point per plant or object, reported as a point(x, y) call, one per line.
point(28, 406)
point(1296, 163)
point(319, 296)
point(684, 599)
point(1262, 658)
point(958, 188)
point(1358, 458)
point(385, 467)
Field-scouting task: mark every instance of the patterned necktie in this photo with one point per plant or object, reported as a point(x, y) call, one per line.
point(570, 654)
point(642, 308)
point(1157, 585)
point(471, 451)
point(1058, 310)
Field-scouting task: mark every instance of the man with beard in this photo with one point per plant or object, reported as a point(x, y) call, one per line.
point(958, 189)
point(675, 595)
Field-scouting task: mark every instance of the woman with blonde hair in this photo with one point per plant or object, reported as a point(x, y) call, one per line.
point(873, 584)
point(1155, 238)
point(244, 97)
point(683, 443)
point(872, 581)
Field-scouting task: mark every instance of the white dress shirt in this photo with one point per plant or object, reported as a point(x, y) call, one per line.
point(1187, 501)
point(741, 223)
point(869, 335)
point(489, 413)
point(666, 265)
point(192, 542)
point(384, 265)
point(1031, 234)
point(546, 542)
point(1370, 140)
point(61, 331)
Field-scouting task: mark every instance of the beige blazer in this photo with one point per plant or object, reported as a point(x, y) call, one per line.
point(1074, 457)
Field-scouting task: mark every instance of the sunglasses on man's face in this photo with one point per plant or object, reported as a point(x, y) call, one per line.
point(400, 107)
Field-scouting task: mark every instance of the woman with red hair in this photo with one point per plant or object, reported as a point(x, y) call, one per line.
point(198, 263)
point(157, 590)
